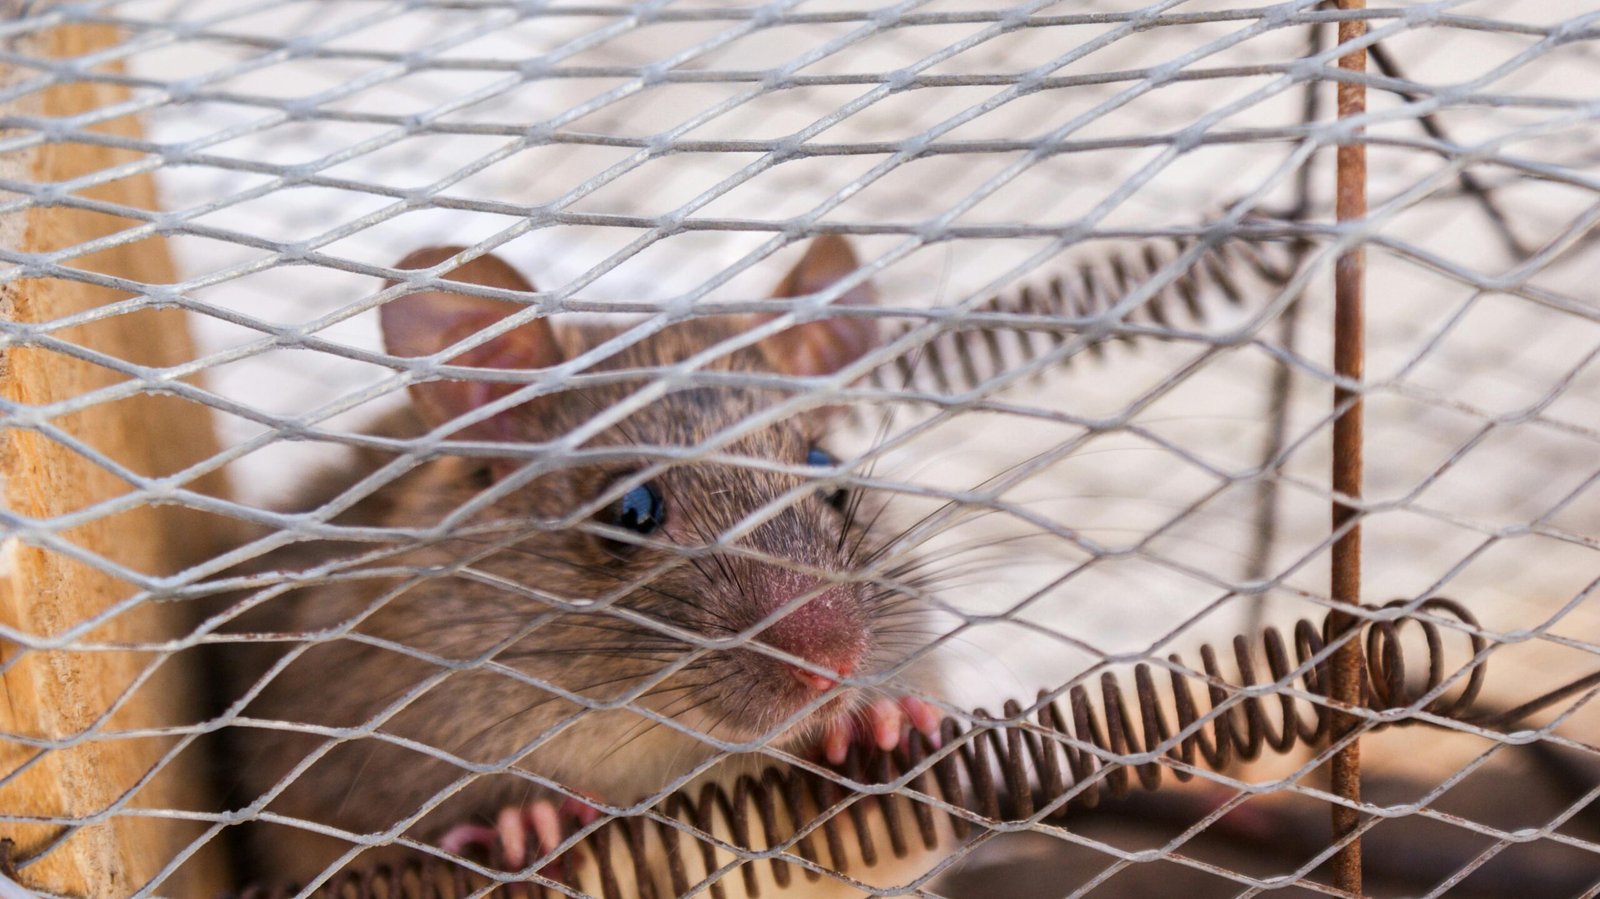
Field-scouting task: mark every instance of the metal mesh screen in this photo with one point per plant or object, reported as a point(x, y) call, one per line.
point(1066, 406)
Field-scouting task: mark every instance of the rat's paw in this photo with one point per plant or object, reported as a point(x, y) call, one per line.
point(540, 823)
point(882, 724)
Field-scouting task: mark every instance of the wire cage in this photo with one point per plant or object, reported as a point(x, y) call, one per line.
point(819, 447)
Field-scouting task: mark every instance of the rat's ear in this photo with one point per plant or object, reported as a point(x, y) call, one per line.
point(422, 324)
point(824, 346)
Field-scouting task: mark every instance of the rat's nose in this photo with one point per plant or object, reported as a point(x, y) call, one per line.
point(829, 631)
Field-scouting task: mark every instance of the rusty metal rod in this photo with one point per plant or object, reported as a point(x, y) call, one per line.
point(1349, 358)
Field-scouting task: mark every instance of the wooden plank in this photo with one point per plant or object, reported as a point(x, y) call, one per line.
point(59, 694)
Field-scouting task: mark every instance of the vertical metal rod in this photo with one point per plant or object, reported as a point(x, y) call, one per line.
point(1349, 356)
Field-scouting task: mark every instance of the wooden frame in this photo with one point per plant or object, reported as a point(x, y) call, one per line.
point(61, 694)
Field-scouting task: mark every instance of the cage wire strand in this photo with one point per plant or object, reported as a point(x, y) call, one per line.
point(1084, 281)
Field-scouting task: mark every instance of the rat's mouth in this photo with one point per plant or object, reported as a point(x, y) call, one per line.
point(810, 732)
point(789, 705)
point(811, 680)
point(838, 707)
point(836, 712)
point(807, 684)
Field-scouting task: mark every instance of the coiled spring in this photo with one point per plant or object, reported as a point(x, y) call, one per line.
point(1064, 754)
point(961, 359)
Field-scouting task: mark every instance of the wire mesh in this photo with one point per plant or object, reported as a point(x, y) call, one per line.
point(1074, 405)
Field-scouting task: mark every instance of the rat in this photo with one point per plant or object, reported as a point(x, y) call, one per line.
point(482, 626)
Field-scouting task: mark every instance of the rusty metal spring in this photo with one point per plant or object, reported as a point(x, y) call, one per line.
point(995, 769)
point(964, 358)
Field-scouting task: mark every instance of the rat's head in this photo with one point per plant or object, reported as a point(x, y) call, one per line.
point(716, 545)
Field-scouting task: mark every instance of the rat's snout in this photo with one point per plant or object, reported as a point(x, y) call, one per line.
point(828, 630)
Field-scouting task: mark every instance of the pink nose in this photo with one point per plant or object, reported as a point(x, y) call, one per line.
point(826, 631)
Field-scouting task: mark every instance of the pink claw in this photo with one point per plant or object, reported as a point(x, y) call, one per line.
point(511, 826)
point(507, 842)
point(924, 717)
point(885, 720)
point(885, 727)
point(463, 837)
point(836, 740)
point(546, 823)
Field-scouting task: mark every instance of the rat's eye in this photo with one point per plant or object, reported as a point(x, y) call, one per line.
point(821, 458)
point(639, 510)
